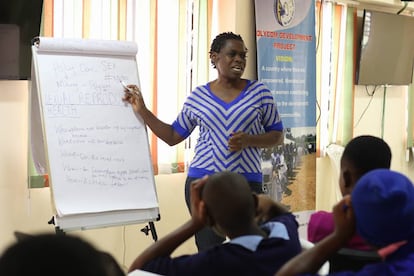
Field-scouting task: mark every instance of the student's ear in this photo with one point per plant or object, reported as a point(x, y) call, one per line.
point(256, 201)
point(205, 214)
point(347, 179)
point(210, 220)
point(258, 214)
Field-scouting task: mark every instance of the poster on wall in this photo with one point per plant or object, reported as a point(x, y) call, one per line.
point(286, 64)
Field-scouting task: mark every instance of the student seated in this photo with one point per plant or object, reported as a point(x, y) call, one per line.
point(224, 201)
point(51, 254)
point(381, 210)
point(361, 155)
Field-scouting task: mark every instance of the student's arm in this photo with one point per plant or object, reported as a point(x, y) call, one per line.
point(162, 130)
point(166, 245)
point(267, 208)
point(310, 260)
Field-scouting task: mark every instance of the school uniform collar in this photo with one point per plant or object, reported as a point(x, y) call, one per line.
point(251, 242)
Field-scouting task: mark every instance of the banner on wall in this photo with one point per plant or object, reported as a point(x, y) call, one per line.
point(286, 61)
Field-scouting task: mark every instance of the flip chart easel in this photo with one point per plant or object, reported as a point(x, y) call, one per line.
point(95, 148)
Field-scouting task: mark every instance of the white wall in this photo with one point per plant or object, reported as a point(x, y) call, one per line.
point(393, 131)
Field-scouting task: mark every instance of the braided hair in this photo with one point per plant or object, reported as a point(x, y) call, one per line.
point(220, 40)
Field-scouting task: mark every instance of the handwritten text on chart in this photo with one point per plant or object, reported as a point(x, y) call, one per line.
point(96, 150)
point(76, 86)
point(102, 177)
point(96, 168)
point(90, 135)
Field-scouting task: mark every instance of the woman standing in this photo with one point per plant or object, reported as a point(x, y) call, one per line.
point(236, 118)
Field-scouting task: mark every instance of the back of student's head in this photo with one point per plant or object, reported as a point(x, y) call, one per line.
point(383, 203)
point(51, 254)
point(229, 201)
point(367, 153)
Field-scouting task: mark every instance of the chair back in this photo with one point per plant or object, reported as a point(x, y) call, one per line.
point(347, 259)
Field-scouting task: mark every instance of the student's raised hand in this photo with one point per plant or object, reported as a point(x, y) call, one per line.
point(344, 218)
point(267, 208)
point(264, 205)
point(198, 208)
point(133, 96)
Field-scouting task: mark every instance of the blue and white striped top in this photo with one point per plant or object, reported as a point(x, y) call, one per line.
point(254, 112)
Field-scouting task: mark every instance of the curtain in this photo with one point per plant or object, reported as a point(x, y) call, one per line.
point(335, 73)
point(173, 40)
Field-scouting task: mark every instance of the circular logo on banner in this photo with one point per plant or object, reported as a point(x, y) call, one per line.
point(284, 11)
